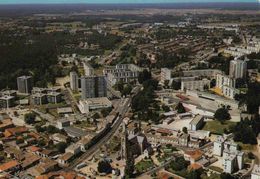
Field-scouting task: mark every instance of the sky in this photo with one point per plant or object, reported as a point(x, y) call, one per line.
point(112, 1)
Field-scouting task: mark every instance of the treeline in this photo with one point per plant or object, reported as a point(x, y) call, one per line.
point(38, 59)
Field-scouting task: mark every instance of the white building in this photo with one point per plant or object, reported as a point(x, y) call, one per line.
point(195, 84)
point(256, 172)
point(196, 123)
point(94, 103)
point(74, 81)
point(122, 72)
point(227, 85)
point(88, 69)
point(165, 74)
point(237, 69)
point(232, 158)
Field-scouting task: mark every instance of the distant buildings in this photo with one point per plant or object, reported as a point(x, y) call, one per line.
point(24, 84)
point(74, 81)
point(122, 72)
point(237, 69)
point(93, 87)
point(232, 158)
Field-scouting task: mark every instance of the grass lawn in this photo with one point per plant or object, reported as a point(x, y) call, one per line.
point(143, 165)
point(216, 127)
point(247, 147)
point(217, 169)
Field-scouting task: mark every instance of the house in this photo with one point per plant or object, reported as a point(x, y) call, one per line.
point(15, 131)
point(10, 167)
point(46, 153)
point(13, 153)
point(66, 158)
point(46, 165)
point(5, 124)
point(33, 149)
point(30, 160)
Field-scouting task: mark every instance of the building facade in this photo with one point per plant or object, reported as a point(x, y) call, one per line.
point(93, 87)
point(24, 84)
point(237, 69)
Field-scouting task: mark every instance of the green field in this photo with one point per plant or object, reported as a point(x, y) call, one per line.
point(143, 165)
point(217, 127)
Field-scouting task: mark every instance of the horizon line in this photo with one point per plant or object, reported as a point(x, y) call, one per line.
point(127, 3)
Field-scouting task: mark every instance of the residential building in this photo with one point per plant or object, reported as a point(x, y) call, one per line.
point(226, 85)
point(93, 87)
point(38, 99)
point(195, 84)
point(165, 74)
point(54, 97)
point(7, 101)
point(10, 167)
point(122, 72)
point(24, 84)
point(256, 172)
point(88, 69)
point(237, 69)
point(66, 158)
point(232, 158)
point(74, 82)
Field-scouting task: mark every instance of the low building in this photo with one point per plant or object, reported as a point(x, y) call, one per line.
point(54, 97)
point(57, 138)
point(195, 85)
point(7, 101)
point(10, 167)
point(63, 123)
point(93, 104)
point(196, 123)
point(256, 172)
point(65, 159)
point(38, 99)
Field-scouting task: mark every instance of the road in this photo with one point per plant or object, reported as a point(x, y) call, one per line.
point(122, 109)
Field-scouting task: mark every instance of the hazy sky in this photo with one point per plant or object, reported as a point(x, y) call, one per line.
point(112, 1)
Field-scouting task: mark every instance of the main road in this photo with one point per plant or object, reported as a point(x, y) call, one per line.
point(122, 110)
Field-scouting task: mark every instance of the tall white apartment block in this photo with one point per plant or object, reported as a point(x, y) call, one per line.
point(237, 69)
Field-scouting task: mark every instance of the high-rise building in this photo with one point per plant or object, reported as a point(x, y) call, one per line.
point(93, 87)
point(24, 84)
point(74, 82)
point(237, 69)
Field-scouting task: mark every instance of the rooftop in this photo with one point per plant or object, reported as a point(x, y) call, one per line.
point(8, 165)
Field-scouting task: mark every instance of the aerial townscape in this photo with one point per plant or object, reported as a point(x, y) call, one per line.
point(122, 91)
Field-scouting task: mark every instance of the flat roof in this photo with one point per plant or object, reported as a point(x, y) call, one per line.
point(196, 119)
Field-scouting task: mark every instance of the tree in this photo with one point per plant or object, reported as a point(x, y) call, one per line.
point(212, 83)
point(127, 90)
point(179, 164)
point(176, 85)
point(222, 114)
point(185, 130)
point(180, 108)
point(29, 118)
point(165, 108)
point(144, 75)
point(105, 112)
point(227, 176)
point(41, 143)
point(52, 129)
point(61, 146)
point(104, 167)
